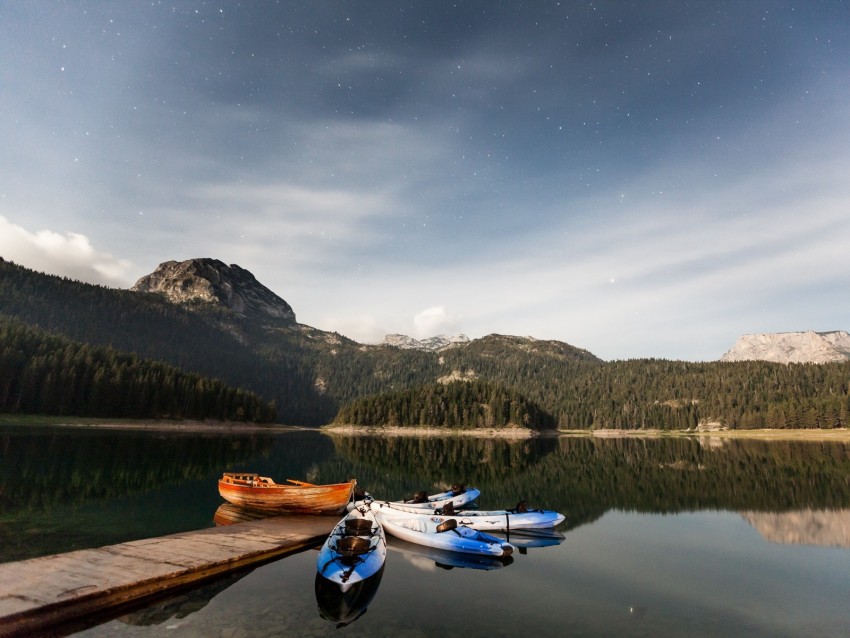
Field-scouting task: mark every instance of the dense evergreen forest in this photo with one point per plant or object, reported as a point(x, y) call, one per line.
point(653, 393)
point(458, 404)
point(656, 393)
point(46, 374)
point(311, 375)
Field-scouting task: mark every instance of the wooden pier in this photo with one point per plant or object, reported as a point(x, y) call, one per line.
point(55, 595)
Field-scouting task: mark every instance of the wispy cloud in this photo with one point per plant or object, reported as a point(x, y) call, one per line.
point(70, 254)
point(433, 321)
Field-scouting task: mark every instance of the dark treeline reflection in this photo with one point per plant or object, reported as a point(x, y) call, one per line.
point(42, 467)
point(396, 467)
point(584, 477)
point(64, 488)
point(70, 488)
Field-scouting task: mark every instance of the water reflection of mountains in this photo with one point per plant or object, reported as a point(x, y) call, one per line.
point(824, 528)
point(583, 477)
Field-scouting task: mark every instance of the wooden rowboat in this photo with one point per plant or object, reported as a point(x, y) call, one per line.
point(260, 492)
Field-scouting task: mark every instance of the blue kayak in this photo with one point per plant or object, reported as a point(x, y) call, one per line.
point(355, 550)
point(433, 531)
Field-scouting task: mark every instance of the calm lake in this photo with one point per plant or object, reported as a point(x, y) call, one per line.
point(663, 537)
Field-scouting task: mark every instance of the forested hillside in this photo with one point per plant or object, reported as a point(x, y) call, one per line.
point(459, 404)
point(46, 374)
point(638, 394)
point(211, 343)
point(654, 393)
point(311, 374)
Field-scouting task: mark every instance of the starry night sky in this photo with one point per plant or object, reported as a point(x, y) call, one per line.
point(634, 178)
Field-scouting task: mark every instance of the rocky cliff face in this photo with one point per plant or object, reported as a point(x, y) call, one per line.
point(214, 282)
point(792, 347)
point(432, 344)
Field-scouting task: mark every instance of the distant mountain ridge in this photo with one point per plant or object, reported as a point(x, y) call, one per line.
point(791, 347)
point(212, 282)
point(432, 344)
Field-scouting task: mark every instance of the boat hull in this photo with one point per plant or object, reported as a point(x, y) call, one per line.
point(495, 520)
point(300, 498)
point(423, 531)
point(439, 501)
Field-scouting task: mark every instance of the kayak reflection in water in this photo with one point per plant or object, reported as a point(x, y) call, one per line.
point(344, 607)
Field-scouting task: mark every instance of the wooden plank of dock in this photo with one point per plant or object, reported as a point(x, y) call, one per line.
point(40, 595)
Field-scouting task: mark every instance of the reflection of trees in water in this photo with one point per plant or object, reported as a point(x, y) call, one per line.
point(70, 488)
point(44, 466)
point(670, 475)
point(583, 477)
point(65, 488)
point(396, 467)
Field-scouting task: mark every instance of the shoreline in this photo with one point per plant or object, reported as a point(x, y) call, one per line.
point(164, 425)
point(494, 433)
point(836, 434)
point(237, 427)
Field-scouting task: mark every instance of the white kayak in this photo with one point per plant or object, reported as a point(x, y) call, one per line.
point(458, 498)
point(493, 520)
point(355, 550)
point(432, 531)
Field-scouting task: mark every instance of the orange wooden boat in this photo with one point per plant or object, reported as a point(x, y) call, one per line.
point(260, 492)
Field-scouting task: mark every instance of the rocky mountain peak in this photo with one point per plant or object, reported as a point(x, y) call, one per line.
point(791, 347)
point(212, 281)
point(432, 344)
